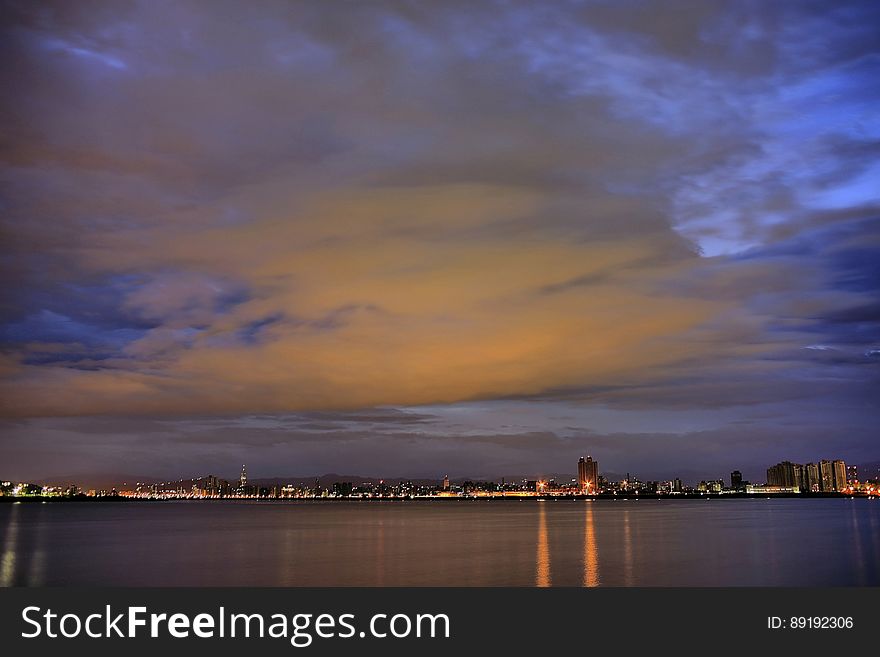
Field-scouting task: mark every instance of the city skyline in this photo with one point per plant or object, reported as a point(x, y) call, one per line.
point(822, 477)
point(475, 238)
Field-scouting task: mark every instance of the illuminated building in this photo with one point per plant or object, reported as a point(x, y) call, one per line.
point(588, 474)
point(826, 476)
point(445, 482)
point(762, 490)
point(852, 474)
point(812, 481)
point(838, 471)
point(785, 474)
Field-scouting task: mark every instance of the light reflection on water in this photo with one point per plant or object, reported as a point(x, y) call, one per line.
point(542, 558)
point(817, 542)
point(23, 555)
point(7, 561)
point(591, 552)
point(627, 550)
point(858, 552)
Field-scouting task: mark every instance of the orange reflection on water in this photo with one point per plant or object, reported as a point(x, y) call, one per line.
point(591, 551)
point(542, 570)
point(627, 551)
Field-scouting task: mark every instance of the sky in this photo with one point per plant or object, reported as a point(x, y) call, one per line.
point(414, 238)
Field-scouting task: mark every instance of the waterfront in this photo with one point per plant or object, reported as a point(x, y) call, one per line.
point(736, 542)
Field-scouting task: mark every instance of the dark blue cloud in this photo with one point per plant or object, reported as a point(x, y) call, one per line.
point(857, 268)
point(252, 333)
point(50, 326)
point(834, 295)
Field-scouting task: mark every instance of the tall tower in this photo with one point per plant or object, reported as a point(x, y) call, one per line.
point(838, 472)
point(826, 476)
point(588, 475)
point(736, 480)
point(242, 480)
point(812, 481)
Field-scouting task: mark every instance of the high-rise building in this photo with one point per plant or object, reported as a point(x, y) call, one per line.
point(588, 475)
point(445, 482)
point(838, 470)
point(800, 476)
point(787, 474)
point(812, 481)
point(736, 479)
point(826, 476)
point(242, 480)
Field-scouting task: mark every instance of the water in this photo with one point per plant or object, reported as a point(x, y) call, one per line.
point(736, 542)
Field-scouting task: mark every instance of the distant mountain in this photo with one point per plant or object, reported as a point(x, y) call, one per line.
point(98, 480)
point(327, 480)
point(108, 481)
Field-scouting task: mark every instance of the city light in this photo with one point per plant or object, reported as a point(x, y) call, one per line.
point(827, 478)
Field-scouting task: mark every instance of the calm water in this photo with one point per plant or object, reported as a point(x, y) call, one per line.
point(817, 542)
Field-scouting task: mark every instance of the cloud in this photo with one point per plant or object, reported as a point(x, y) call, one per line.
point(286, 209)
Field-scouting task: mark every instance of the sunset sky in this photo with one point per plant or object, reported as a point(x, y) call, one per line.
point(407, 238)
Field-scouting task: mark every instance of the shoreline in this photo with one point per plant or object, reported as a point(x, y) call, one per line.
point(483, 498)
